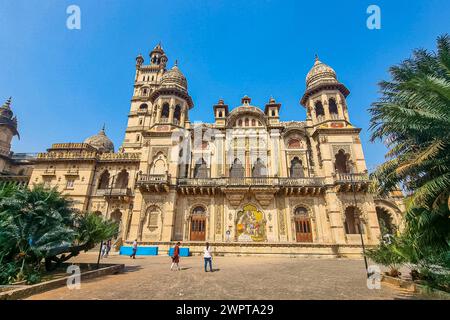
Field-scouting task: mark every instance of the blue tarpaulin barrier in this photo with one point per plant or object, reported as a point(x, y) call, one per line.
point(141, 251)
point(184, 252)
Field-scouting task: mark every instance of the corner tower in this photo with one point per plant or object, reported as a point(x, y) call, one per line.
point(8, 129)
point(160, 100)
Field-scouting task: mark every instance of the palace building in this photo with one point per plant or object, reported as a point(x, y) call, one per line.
point(248, 183)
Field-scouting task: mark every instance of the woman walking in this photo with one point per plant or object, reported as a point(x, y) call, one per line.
point(176, 256)
point(208, 258)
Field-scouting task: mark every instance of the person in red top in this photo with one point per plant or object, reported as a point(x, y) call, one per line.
point(176, 256)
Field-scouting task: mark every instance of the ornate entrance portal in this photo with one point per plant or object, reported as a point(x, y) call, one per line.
point(198, 224)
point(302, 222)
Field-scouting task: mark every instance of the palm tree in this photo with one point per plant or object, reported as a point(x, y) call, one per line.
point(41, 224)
point(412, 118)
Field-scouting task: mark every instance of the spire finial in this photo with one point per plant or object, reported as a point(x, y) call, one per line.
point(103, 128)
point(316, 57)
point(7, 103)
point(176, 63)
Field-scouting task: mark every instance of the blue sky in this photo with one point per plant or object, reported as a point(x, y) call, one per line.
point(66, 83)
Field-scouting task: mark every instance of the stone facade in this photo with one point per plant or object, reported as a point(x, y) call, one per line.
point(249, 183)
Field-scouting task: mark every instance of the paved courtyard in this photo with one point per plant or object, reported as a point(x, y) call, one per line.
point(251, 278)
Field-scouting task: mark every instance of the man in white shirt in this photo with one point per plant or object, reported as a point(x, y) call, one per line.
point(208, 258)
point(133, 255)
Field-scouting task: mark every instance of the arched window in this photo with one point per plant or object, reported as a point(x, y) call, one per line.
point(143, 107)
point(301, 211)
point(237, 170)
point(198, 210)
point(332, 106)
point(273, 113)
point(352, 221)
point(240, 123)
point(246, 122)
point(259, 169)
point(200, 170)
point(253, 123)
point(319, 109)
point(116, 216)
point(122, 180)
point(104, 180)
point(341, 161)
point(159, 165)
point(220, 114)
point(177, 113)
point(165, 111)
point(296, 170)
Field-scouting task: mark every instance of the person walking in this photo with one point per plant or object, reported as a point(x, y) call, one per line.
point(108, 247)
point(133, 255)
point(104, 250)
point(176, 256)
point(208, 258)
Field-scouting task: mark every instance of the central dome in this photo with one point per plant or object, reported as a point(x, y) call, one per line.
point(174, 77)
point(100, 142)
point(320, 73)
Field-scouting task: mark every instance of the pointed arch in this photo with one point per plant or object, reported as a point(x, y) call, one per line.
point(103, 181)
point(341, 161)
point(237, 169)
point(259, 169)
point(319, 109)
point(122, 179)
point(296, 169)
point(201, 169)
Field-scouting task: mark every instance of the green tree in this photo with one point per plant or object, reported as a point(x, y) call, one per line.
point(41, 224)
point(412, 118)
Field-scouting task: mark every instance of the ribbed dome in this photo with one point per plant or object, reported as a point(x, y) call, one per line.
point(174, 77)
point(100, 142)
point(320, 73)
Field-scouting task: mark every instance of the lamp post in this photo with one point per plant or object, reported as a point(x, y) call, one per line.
point(107, 208)
point(360, 225)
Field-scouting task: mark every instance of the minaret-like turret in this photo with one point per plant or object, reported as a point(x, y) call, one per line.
point(8, 127)
point(325, 96)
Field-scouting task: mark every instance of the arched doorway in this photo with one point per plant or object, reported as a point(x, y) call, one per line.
point(385, 221)
point(303, 231)
point(198, 224)
point(122, 180)
point(237, 169)
point(352, 221)
point(341, 161)
point(201, 169)
point(103, 182)
point(296, 169)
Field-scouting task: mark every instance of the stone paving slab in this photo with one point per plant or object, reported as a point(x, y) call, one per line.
point(254, 278)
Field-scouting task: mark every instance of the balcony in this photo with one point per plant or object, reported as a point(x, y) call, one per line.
point(153, 182)
point(114, 192)
point(213, 185)
point(348, 181)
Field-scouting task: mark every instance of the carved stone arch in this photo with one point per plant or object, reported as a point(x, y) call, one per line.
point(309, 211)
point(391, 209)
point(159, 164)
point(361, 211)
point(190, 212)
